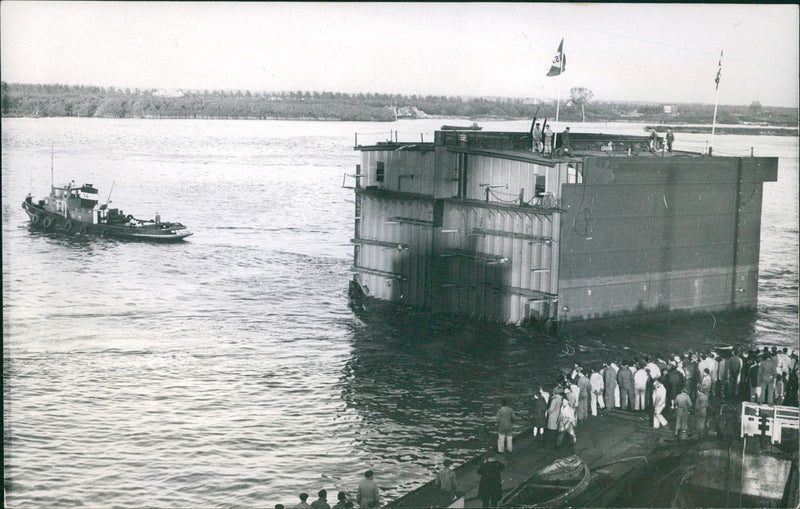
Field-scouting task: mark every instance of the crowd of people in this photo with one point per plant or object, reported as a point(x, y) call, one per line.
point(684, 384)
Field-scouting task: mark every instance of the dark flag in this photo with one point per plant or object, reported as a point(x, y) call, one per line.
point(719, 70)
point(559, 61)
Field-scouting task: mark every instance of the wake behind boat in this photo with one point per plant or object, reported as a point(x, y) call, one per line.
point(74, 210)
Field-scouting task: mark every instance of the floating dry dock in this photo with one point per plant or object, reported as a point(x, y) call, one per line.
point(477, 224)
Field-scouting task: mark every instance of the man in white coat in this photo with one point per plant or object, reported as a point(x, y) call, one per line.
point(598, 386)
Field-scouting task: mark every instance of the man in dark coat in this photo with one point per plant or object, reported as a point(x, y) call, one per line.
point(675, 382)
point(734, 368)
point(692, 374)
point(626, 387)
point(584, 393)
point(610, 384)
point(490, 489)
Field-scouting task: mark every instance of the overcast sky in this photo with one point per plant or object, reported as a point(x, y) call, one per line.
point(659, 53)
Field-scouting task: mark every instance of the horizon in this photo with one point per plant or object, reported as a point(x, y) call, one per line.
point(650, 53)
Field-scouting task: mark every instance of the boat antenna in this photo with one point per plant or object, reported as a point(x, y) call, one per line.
point(108, 200)
point(51, 169)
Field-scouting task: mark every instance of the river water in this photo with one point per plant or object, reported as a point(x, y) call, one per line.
point(228, 370)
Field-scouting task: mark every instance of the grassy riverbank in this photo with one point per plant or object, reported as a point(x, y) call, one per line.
point(26, 100)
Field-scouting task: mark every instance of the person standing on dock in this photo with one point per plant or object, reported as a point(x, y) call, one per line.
point(368, 494)
point(709, 362)
point(683, 405)
point(766, 377)
point(490, 488)
point(626, 387)
point(584, 394)
point(670, 139)
point(566, 423)
point(553, 411)
point(705, 383)
point(692, 373)
point(753, 378)
point(610, 384)
point(659, 403)
point(447, 483)
point(701, 413)
point(722, 377)
point(639, 388)
point(675, 382)
point(505, 427)
point(539, 414)
point(597, 384)
point(734, 372)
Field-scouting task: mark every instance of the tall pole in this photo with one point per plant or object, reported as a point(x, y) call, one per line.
point(714, 122)
point(716, 100)
point(558, 100)
point(560, 77)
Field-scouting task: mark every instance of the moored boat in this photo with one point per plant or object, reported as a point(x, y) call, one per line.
point(74, 210)
point(552, 486)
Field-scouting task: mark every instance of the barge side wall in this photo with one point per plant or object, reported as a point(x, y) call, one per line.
point(641, 236)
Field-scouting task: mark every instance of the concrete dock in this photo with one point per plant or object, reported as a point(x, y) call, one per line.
point(631, 463)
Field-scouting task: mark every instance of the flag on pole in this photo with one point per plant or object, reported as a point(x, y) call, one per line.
point(559, 61)
point(719, 70)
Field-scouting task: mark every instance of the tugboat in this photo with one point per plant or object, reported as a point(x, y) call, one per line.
point(73, 210)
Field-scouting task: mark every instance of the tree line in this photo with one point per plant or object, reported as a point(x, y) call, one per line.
point(37, 100)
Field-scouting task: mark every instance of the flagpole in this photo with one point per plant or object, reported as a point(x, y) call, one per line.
point(714, 122)
point(561, 77)
point(716, 101)
point(558, 100)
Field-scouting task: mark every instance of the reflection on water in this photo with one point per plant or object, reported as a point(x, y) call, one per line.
point(229, 369)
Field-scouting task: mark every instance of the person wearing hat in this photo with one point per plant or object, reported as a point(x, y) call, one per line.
point(659, 403)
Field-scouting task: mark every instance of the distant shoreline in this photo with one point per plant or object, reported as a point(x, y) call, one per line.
point(43, 101)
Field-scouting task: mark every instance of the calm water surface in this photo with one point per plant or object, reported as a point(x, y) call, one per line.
point(228, 370)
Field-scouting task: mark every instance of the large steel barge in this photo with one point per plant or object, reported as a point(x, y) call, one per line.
point(478, 224)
